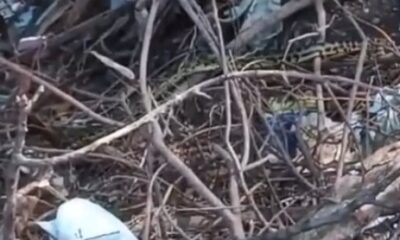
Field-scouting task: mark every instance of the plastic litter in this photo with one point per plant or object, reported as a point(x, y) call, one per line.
point(82, 219)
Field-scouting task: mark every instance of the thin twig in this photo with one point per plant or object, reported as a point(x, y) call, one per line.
point(149, 202)
point(201, 23)
point(266, 21)
point(147, 105)
point(357, 79)
point(12, 174)
point(319, 6)
point(233, 190)
point(145, 53)
point(237, 227)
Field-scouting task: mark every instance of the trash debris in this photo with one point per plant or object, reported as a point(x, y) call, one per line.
point(383, 126)
point(114, 4)
point(82, 219)
point(286, 118)
point(284, 126)
point(253, 11)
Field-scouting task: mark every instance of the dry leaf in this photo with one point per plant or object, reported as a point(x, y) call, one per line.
point(25, 207)
point(116, 66)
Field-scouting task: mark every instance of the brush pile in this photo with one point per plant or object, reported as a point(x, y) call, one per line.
point(145, 108)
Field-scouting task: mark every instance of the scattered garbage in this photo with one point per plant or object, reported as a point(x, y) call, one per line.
point(114, 4)
point(253, 11)
point(284, 127)
point(379, 128)
point(286, 121)
point(383, 125)
point(82, 219)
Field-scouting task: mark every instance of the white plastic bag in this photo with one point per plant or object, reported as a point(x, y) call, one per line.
point(82, 219)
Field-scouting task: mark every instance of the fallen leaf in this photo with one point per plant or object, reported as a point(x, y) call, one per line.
point(114, 65)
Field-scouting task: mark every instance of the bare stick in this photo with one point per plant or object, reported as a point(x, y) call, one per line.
point(357, 79)
point(319, 6)
point(287, 10)
point(201, 23)
point(237, 227)
point(147, 105)
point(11, 173)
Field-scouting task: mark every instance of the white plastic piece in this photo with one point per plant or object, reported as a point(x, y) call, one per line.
point(84, 220)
